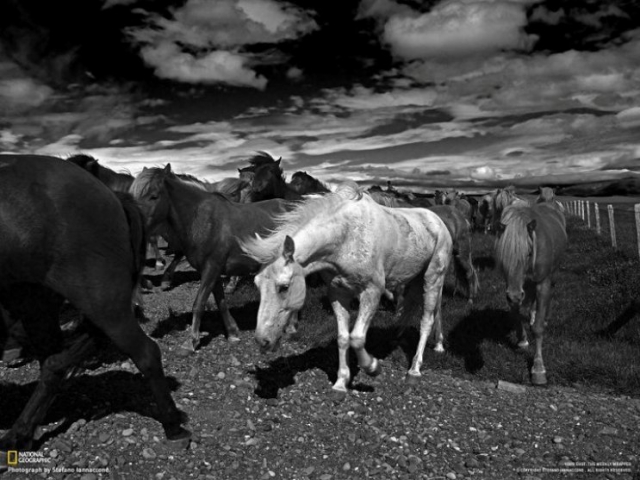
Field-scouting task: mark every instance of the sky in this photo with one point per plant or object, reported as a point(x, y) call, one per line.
point(435, 93)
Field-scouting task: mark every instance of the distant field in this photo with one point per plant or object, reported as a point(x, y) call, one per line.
point(591, 339)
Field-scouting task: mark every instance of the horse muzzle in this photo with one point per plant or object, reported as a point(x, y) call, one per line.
point(515, 297)
point(267, 344)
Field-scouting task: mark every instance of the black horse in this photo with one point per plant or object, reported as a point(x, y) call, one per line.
point(65, 235)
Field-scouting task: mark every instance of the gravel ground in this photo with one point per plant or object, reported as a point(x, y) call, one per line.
point(257, 417)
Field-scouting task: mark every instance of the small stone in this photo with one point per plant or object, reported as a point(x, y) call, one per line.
point(103, 437)
point(608, 431)
point(89, 476)
point(149, 454)
point(308, 471)
point(510, 387)
point(451, 476)
point(221, 375)
point(346, 467)
point(325, 476)
point(471, 463)
point(557, 439)
point(127, 432)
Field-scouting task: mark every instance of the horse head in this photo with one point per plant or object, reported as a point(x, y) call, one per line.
point(516, 250)
point(150, 192)
point(282, 291)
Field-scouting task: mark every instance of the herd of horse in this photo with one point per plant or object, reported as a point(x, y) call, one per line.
point(74, 230)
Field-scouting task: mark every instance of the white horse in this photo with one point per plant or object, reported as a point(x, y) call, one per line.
point(362, 250)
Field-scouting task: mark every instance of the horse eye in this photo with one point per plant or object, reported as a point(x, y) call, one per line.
point(154, 197)
point(283, 288)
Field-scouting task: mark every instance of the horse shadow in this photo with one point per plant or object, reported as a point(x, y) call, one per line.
point(212, 325)
point(632, 311)
point(281, 372)
point(87, 397)
point(484, 262)
point(180, 277)
point(467, 336)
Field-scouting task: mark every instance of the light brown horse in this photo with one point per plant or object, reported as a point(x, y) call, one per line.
point(528, 252)
point(455, 199)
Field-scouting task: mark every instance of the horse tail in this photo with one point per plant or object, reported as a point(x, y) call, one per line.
point(138, 238)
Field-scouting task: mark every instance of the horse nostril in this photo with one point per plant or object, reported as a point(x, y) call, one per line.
point(263, 343)
point(515, 297)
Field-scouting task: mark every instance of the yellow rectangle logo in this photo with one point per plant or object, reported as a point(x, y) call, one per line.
point(12, 458)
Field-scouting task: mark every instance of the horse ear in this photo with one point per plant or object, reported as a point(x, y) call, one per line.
point(531, 226)
point(144, 169)
point(167, 169)
point(289, 249)
point(500, 228)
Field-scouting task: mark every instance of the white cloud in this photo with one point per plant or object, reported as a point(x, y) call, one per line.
point(203, 42)
point(452, 28)
point(218, 66)
point(19, 94)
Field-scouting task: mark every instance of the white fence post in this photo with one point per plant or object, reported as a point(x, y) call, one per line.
point(636, 209)
point(612, 226)
point(588, 214)
point(597, 212)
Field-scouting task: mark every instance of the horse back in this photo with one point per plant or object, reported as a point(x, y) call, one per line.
point(58, 224)
point(551, 237)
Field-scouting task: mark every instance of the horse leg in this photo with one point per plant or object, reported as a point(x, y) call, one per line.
point(340, 304)
point(230, 325)
point(38, 309)
point(292, 326)
point(232, 284)
point(369, 300)
point(433, 283)
point(129, 337)
point(153, 241)
point(543, 299)
point(167, 276)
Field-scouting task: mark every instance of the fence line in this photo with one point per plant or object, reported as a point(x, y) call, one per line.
point(618, 222)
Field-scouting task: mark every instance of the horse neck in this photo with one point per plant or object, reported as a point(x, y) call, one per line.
point(183, 200)
point(316, 242)
point(119, 182)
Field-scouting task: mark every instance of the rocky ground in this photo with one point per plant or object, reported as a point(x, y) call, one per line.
point(257, 417)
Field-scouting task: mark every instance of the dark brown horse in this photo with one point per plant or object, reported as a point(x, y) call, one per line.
point(528, 252)
point(460, 230)
point(65, 235)
point(268, 180)
point(208, 227)
point(305, 184)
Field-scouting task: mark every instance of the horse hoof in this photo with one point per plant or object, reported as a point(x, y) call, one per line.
point(186, 350)
point(539, 378)
point(338, 396)
point(438, 348)
point(233, 339)
point(523, 345)
point(180, 441)
point(374, 369)
point(412, 379)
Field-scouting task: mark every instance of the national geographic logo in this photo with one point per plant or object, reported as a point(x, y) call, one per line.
point(15, 458)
